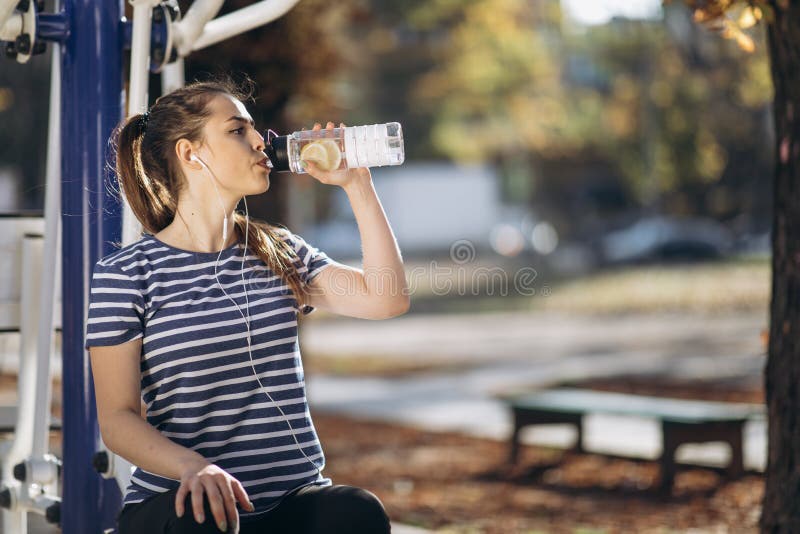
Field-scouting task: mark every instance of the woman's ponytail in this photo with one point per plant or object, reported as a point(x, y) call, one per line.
point(264, 239)
point(149, 200)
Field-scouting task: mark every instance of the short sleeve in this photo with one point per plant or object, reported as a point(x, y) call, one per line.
point(116, 308)
point(312, 261)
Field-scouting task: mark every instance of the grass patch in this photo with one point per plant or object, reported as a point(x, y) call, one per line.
point(375, 365)
point(726, 286)
point(715, 287)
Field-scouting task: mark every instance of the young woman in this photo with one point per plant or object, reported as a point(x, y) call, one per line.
point(199, 319)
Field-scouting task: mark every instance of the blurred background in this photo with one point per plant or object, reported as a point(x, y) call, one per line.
point(585, 201)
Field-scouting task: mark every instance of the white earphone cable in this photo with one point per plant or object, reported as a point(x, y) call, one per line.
point(247, 300)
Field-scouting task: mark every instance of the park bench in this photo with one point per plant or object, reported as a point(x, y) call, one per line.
point(682, 421)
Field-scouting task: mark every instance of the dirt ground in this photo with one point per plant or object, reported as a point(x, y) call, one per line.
point(449, 482)
point(452, 483)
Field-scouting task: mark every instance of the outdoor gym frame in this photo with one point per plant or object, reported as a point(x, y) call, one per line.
point(89, 39)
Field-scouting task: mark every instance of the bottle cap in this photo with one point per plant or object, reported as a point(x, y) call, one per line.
point(278, 154)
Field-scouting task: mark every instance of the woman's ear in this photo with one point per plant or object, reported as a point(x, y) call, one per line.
point(185, 150)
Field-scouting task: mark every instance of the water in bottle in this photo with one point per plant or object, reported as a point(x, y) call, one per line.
point(374, 145)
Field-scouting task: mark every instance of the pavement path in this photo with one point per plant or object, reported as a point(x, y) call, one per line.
point(503, 352)
point(533, 336)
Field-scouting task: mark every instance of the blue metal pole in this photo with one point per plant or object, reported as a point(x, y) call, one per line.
point(92, 104)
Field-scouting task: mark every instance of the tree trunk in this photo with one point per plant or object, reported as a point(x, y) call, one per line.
point(781, 507)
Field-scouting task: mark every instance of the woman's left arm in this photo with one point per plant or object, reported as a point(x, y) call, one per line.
point(379, 289)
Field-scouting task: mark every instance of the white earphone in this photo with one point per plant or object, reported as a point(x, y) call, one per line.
point(213, 179)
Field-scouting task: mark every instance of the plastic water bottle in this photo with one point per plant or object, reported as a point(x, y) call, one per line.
point(375, 145)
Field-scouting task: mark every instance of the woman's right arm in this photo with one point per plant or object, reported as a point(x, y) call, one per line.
point(116, 385)
point(117, 392)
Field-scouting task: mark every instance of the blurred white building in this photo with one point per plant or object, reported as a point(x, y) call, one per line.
point(429, 205)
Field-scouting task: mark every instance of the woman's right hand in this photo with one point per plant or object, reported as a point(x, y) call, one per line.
point(222, 490)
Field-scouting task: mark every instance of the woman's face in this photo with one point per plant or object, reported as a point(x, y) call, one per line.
point(233, 149)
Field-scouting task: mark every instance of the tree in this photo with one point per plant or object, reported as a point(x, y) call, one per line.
point(631, 115)
point(681, 111)
point(781, 507)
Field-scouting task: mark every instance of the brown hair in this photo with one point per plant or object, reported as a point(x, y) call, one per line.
point(151, 178)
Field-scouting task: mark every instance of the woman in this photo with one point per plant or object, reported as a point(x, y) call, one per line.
point(206, 334)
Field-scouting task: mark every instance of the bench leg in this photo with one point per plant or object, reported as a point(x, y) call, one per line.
point(670, 443)
point(526, 417)
point(736, 442)
point(514, 452)
point(674, 434)
point(579, 440)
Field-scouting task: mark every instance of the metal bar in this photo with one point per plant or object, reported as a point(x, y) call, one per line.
point(242, 20)
point(51, 27)
point(15, 519)
point(50, 262)
point(91, 107)
point(137, 90)
point(190, 27)
point(140, 55)
point(6, 9)
point(173, 76)
point(11, 27)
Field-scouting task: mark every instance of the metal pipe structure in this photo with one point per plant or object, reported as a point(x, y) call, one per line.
point(6, 9)
point(52, 260)
point(140, 55)
point(92, 100)
point(173, 76)
point(242, 20)
point(137, 90)
point(11, 27)
point(15, 518)
point(187, 30)
point(31, 439)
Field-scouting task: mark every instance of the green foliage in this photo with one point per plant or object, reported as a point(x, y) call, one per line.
point(499, 80)
point(504, 80)
point(674, 113)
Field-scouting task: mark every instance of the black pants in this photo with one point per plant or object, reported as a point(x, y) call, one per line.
point(309, 510)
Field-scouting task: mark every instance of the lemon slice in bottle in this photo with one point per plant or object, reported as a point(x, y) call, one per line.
point(324, 153)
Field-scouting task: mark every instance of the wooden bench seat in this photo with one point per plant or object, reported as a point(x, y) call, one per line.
point(682, 421)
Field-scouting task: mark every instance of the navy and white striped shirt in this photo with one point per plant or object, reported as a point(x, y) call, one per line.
point(196, 375)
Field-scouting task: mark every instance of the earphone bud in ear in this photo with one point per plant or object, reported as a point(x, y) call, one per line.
point(194, 158)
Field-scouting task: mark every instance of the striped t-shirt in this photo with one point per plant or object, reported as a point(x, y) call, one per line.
point(196, 375)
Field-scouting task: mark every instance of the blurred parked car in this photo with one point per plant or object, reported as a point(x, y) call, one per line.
point(754, 245)
point(667, 239)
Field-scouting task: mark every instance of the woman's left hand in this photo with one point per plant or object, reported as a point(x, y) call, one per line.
point(343, 177)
